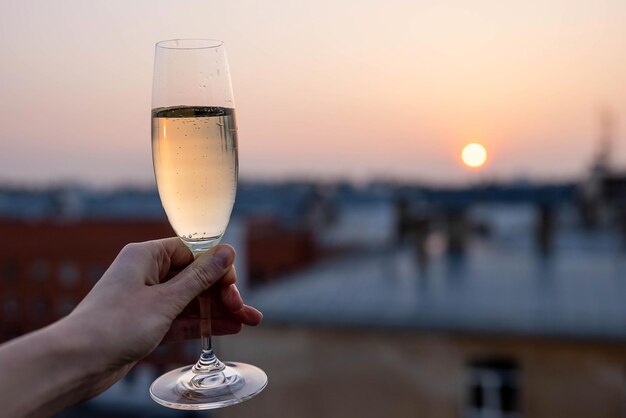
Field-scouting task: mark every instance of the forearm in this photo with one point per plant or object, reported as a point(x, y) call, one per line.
point(123, 318)
point(45, 371)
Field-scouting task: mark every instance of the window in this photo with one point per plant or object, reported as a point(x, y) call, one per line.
point(39, 308)
point(9, 271)
point(39, 271)
point(64, 306)
point(95, 271)
point(9, 305)
point(68, 274)
point(493, 389)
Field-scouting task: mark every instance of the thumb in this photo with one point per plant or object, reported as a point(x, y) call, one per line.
point(197, 277)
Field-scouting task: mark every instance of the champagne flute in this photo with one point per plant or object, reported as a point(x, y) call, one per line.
point(194, 152)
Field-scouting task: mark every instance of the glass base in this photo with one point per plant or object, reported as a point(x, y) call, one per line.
point(183, 388)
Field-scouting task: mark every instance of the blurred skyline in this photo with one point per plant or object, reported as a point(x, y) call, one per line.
point(324, 90)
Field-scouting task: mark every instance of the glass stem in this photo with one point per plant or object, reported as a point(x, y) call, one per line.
point(208, 363)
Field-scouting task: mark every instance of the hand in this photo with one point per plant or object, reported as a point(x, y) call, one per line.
point(147, 295)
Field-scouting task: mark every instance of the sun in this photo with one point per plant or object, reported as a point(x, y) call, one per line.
point(474, 155)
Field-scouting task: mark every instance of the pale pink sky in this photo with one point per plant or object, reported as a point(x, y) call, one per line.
point(323, 89)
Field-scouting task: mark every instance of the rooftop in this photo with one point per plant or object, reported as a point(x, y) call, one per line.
point(577, 293)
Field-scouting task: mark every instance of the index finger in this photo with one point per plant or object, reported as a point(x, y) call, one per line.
point(177, 252)
point(171, 255)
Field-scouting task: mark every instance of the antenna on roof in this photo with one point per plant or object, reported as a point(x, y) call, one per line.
point(607, 135)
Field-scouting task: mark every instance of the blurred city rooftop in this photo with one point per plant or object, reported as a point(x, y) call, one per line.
point(500, 282)
point(517, 262)
point(495, 291)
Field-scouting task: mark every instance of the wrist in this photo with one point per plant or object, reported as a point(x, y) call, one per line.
point(70, 342)
point(69, 362)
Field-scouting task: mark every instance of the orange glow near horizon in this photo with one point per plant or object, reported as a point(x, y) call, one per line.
point(325, 90)
point(474, 155)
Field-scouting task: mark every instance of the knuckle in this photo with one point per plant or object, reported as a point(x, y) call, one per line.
point(131, 248)
point(136, 249)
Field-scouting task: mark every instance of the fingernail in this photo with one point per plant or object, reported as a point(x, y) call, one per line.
point(223, 256)
point(259, 312)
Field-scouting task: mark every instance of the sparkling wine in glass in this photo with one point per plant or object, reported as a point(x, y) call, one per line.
point(194, 151)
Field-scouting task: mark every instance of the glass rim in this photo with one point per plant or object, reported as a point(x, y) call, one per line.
point(190, 43)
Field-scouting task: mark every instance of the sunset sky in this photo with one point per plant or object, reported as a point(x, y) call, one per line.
point(324, 89)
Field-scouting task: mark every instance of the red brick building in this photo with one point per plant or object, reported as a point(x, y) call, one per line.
point(48, 266)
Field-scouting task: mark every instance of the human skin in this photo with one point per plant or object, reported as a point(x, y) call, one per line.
point(144, 298)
